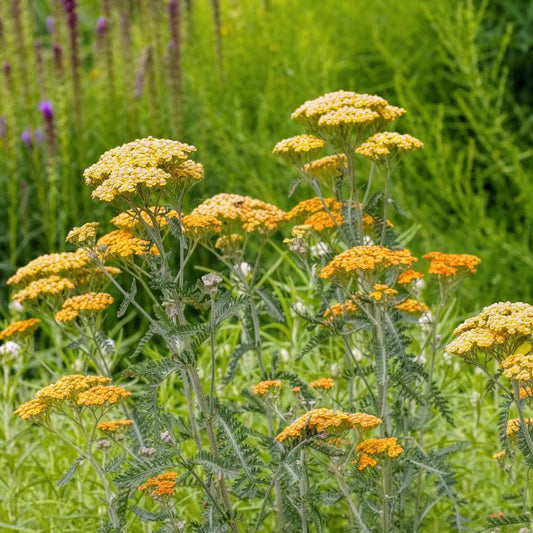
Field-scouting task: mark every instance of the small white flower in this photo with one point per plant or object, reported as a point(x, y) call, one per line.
point(320, 248)
point(367, 240)
point(245, 268)
point(284, 355)
point(447, 358)
point(420, 359)
point(78, 365)
point(299, 307)
point(165, 436)
point(15, 307)
point(357, 354)
point(335, 370)
point(418, 285)
point(10, 350)
point(211, 281)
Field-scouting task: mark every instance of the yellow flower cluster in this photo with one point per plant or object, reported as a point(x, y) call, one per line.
point(519, 367)
point(370, 447)
point(448, 265)
point(264, 387)
point(499, 455)
point(76, 389)
point(382, 145)
point(20, 329)
point(84, 236)
point(161, 485)
point(298, 149)
point(380, 291)
point(228, 243)
point(412, 306)
point(409, 275)
point(49, 264)
point(68, 387)
point(327, 421)
point(513, 425)
point(123, 243)
point(311, 111)
point(327, 167)
point(500, 328)
point(90, 301)
point(525, 392)
point(43, 286)
point(349, 262)
point(142, 166)
point(199, 226)
point(31, 409)
point(113, 425)
point(100, 395)
point(322, 383)
point(306, 208)
point(348, 117)
point(249, 214)
point(129, 221)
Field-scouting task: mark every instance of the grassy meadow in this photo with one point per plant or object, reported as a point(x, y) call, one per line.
point(228, 84)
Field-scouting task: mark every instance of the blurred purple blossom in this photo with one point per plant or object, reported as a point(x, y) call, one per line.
point(6, 67)
point(50, 24)
point(3, 128)
point(25, 136)
point(101, 25)
point(45, 107)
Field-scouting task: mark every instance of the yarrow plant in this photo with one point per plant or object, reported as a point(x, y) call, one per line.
point(295, 450)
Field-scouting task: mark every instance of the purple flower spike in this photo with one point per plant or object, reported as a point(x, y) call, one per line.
point(101, 25)
point(3, 127)
point(7, 68)
point(26, 138)
point(47, 110)
point(50, 24)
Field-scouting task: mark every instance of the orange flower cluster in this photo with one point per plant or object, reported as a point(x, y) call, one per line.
point(40, 287)
point(449, 265)
point(339, 309)
point(298, 149)
point(348, 263)
point(322, 383)
point(129, 220)
point(84, 236)
point(113, 425)
point(327, 421)
point(327, 167)
point(161, 485)
point(101, 395)
point(265, 387)
point(140, 167)
point(249, 214)
point(90, 301)
point(123, 243)
point(499, 329)
point(20, 329)
point(382, 145)
point(32, 409)
point(306, 208)
point(370, 447)
point(409, 275)
point(49, 264)
point(412, 306)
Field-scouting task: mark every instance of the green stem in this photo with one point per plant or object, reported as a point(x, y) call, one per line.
point(303, 490)
point(523, 424)
point(351, 505)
